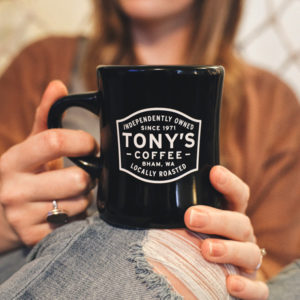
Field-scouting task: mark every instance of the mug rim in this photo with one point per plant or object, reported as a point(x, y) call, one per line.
point(218, 68)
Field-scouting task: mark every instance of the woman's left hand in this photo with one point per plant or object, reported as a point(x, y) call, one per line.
point(240, 249)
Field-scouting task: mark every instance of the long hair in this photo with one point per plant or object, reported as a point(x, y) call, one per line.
point(211, 42)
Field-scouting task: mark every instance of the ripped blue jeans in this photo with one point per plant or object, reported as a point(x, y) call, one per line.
point(90, 259)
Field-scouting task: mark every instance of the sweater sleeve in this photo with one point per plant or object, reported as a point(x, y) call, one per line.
point(272, 169)
point(23, 82)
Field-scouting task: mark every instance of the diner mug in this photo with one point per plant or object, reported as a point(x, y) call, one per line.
point(159, 138)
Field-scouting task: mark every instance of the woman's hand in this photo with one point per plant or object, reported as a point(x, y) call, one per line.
point(240, 249)
point(31, 180)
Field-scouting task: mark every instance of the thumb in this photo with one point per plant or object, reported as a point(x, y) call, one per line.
point(55, 90)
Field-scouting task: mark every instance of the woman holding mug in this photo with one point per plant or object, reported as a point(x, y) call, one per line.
point(153, 32)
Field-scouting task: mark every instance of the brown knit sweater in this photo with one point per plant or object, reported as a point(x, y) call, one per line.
point(264, 152)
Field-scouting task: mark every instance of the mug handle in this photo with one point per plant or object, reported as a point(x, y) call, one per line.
point(89, 101)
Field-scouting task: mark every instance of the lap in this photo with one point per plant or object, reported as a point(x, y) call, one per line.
point(11, 262)
point(91, 259)
point(286, 284)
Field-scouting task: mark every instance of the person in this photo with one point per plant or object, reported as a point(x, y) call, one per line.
point(259, 143)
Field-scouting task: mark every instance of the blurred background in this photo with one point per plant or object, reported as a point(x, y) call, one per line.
point(268, 37)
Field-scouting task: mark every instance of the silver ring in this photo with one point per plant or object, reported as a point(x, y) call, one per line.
point(56, 215)
point(263, 252)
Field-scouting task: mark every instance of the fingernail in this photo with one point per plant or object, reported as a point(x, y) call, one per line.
point(237, 285)
point(216, 249)
point(198, 218)
point(221, 177)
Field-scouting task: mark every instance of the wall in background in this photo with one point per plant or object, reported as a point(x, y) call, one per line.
point(269, 34)
point(269, 38)
point(24, 21)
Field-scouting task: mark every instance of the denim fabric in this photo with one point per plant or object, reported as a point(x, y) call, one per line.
point(82, 260)
point(92, 260)
point(286, 285)
point(12, 261)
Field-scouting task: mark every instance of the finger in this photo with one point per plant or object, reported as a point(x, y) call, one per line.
point(244, 288)
point(55, 90)
point(72, 207)
point(210, 220)
point(24, 218)
point(35, 234)
point(47, 146)
point(61, 184)
point(233, 188)
point(245, 255)
point(57, 184)
point(53, 165)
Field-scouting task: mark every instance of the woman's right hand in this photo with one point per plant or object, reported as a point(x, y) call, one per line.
point(30, 178)
point(232, 238)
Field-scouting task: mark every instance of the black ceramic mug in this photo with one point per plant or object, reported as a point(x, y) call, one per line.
point(159, 139)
